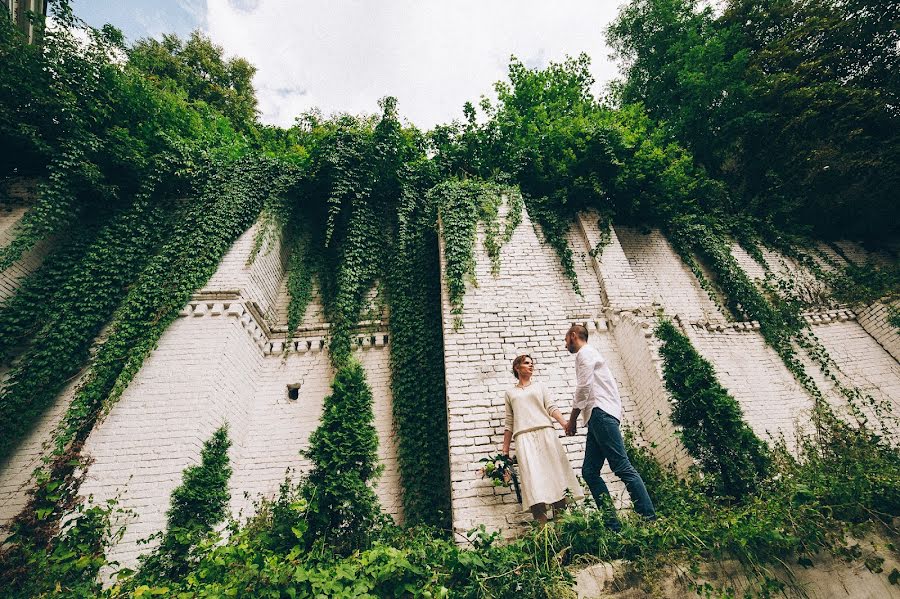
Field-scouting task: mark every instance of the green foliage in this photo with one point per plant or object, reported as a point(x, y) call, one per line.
point(301, 270)
point(343, 508)
point(417, 362)
point(711, 424)
point(226, 205)
point(360, 214)
point(70, 565)
point(462, 205)
point(866, 283)
point(791, 102)
point(93, 288)
point(197, 69)
point(198, 504)
point(99, 133)
point(806, 507)
point(570, 153)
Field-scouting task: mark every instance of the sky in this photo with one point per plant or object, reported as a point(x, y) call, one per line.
point(343, 55)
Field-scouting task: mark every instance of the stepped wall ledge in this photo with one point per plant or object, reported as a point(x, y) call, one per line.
point(273, 340)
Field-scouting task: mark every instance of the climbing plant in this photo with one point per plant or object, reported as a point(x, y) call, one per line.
point(150, 168)
point(360, 217)
point(417, 360)
point(343, 509)
point(710, 420)
point(198, 504)
point(463, 205)
point(226, 204)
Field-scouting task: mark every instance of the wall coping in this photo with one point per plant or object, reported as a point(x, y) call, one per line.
point(273, 340)
point(811, 318)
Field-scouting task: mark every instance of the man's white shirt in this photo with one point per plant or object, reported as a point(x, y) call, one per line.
point(595, 385)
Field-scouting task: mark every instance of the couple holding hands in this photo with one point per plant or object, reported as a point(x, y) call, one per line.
point(544, 469)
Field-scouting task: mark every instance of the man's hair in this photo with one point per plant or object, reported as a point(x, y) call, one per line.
point(518, 361)
point(579, 330)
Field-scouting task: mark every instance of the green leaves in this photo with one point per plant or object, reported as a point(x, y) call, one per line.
point(788, 102)
point(461, 206)
point(711, 422)
point(343, 508)
point(198, 504)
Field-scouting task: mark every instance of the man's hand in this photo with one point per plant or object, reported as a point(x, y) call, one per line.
point(571, 428)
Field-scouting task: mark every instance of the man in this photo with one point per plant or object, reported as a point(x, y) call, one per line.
point(597, 397)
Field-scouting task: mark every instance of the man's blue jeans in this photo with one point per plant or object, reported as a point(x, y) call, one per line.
point(604, 442)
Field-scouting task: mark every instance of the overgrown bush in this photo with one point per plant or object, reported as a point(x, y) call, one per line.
point(343, 451)
point(711, 424)
point(198, 504)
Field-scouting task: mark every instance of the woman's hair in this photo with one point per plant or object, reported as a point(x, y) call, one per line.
point(518, 361)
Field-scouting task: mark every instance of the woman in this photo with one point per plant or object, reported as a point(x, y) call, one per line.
point(543, 466)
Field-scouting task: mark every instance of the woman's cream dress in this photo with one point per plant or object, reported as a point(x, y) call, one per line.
point(544, 469)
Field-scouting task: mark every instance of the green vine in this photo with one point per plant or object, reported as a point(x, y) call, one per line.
point(462, 205)
point(198, 504)
point(417, 362)
point(301, 273)
point(711, 424)
point(225, 207)
point(381, 234)
point(85, 302)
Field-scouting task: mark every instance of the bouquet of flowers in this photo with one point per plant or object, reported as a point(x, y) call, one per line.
point(501, 470)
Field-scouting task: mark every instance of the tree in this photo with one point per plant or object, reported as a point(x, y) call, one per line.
point(343, 508)
point(198, 504)
point(197, 67)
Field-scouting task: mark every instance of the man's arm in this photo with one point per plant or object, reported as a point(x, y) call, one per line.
point(584, 370)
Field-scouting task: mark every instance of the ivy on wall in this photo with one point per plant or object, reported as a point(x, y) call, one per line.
point(710, 421)
point(343, 509)
point(81, 307)
point(198, 504)
point(462, 206)
point(226, 204)
point(360, 217)
point(351, 196)
point(417, 362)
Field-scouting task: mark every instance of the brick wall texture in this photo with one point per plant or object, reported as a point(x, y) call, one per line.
point(226, 361)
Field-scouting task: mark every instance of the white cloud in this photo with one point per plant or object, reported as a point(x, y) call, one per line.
point(433, 56)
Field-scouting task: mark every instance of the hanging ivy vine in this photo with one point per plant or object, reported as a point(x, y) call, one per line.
point(357, 201)
point(462, 206)
point(227, 203)
point(81, 307)
point(361, 217)
point(417, 360)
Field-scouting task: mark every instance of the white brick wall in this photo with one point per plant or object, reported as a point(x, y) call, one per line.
point(10, 215)
point(221, 362)
point(16, 472)
point(259, 281)
point(874, 319)
point(527, 308)
point(861, 363)
point(669, 282)
point(772, 401)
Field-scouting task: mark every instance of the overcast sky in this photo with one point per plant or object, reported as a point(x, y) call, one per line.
point(343, 55)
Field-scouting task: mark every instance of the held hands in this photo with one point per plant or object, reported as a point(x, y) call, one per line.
point(571, 427)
